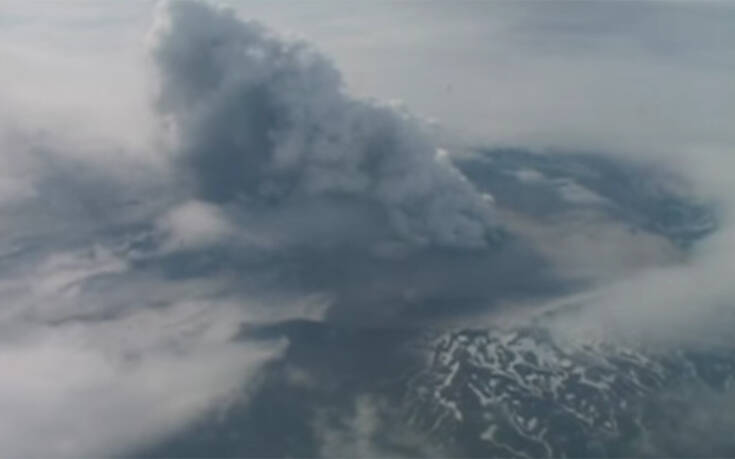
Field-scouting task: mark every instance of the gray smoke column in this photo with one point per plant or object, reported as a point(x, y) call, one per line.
point(267, 123)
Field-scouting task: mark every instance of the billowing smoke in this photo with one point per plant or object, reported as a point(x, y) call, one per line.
point(266, 122)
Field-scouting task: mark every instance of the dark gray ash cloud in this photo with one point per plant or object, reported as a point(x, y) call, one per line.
point(267, 122)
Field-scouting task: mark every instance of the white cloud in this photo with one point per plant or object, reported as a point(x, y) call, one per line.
point(688, 303)
point(75, 392)
point(364, 433)
point(194, 224)
point(87, 376)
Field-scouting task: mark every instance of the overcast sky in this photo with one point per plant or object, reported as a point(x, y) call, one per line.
point(626, 76)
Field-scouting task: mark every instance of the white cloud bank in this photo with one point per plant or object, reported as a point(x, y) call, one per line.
point(77, 383)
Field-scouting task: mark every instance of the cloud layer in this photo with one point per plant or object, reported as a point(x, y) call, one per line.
point(136, 241)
